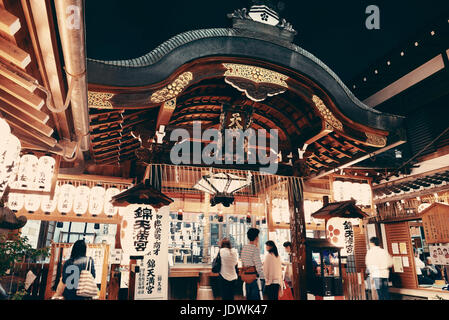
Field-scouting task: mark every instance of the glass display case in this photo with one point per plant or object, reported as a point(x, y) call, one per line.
point(324, 268)
point(186, 238)
point(186, 245)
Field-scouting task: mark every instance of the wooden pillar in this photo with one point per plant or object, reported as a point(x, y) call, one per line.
point(114, 282)
point(206, 230)
point(132, 279)
point(298, 237)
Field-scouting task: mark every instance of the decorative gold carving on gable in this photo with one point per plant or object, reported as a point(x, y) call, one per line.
point(256, 82)
point(173, 89)
point(99, 100)
point(255, 74)
point(375, 140)
point(331, 122)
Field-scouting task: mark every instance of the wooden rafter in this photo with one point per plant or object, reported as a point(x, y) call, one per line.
point(14, 54)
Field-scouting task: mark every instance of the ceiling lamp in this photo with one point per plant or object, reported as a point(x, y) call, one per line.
point(222, 186)
point(81, 201)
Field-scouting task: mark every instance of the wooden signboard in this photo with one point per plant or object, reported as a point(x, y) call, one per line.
point(436, 223)
point(400, 248)
point(60, 252)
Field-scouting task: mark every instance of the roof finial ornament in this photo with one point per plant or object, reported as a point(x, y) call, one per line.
point(266, 12)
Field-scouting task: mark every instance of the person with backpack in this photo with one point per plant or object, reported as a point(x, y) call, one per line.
point(252, 270)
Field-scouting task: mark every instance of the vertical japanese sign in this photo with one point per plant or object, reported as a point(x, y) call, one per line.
point(149, 230)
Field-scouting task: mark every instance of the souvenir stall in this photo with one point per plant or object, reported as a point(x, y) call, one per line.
point(345, 230)
point(415, 232)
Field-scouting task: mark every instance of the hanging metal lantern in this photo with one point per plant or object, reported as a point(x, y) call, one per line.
point(96, 200)
point(45, 170)
point(66, 198)
point(81, 201)
point(47, 205)
point(109, 209)
point(16, 201)
point(32, 202)
point(222, 186)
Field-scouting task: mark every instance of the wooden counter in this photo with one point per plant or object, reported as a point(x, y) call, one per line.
point(429, 293)
point(190, 270)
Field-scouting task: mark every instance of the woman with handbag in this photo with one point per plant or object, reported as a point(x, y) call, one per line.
point(272, 267)
point(78, 275)
point(228, 274)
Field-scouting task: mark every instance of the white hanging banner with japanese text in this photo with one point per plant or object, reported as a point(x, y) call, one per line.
point(152, 278)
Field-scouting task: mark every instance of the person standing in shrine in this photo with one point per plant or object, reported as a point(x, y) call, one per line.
point(378, 262)
point(250, 256)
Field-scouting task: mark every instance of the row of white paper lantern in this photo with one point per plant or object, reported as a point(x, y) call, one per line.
point(9, 156)
point(310, 207)
point(280, 210)
point(81, 200)
point(35, 173)
point(345, 190)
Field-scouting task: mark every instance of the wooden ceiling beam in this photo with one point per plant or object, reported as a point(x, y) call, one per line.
point(17, 75)
point(14, 54)
point(22, 116)
point(42, 33)
point(16, 104)
point(165, 113)
point(21, 93)
point(25, 129)
point(9, 23)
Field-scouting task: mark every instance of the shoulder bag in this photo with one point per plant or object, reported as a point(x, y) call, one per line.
point(248, 274)
point(216, 264)
point(87, 286)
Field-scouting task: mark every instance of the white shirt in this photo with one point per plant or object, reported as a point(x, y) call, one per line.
point(378, 261)
point(229, 258)
point(272, 268)
point(419, 264)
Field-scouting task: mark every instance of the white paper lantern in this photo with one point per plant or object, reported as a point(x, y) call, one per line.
point(81, 201)
point(366, 194)
point(66, 198)
point(109, 209)
point(45, 170)
point(338, 190)
point(337, 235)
point(27, 171)
point(48, 205)
point(96, 200)
point(5, 130)
point(9, 155)
point(16, 201)
point(32, 202)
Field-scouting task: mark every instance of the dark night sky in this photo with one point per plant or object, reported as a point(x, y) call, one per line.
point(334, 31)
